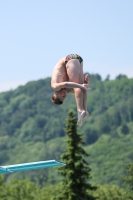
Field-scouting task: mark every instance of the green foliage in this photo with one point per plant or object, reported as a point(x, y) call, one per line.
point(120, 76)
point(2, 189)
point(124, 129)
point(32, 127)
point(108, 192)
point(106, 158)
point(76, 173)
point(23, 189)
point(19, 190)
point(128, 178)
point(27, 190)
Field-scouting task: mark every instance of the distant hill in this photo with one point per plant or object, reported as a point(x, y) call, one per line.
point(32, 127)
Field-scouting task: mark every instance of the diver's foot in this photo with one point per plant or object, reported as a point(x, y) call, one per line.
point(81, 115)
point(86, 115)
point(87, 78)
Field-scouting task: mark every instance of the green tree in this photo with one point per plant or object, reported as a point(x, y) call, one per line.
point(120, 76)
point(91, 136)
point(2, 188)
point(129, 179)
point(76, 173)
point(124, 129)
point(22, 190)
point(111, 192)
point(107, 78)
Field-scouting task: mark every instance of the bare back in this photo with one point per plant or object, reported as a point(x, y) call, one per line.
point(59, 73)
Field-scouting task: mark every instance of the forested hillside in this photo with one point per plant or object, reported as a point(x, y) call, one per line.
point(32, 127)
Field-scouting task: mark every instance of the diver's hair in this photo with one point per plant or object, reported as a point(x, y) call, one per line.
point(56, 100)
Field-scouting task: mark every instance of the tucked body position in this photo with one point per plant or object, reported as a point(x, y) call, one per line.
point(67, 76)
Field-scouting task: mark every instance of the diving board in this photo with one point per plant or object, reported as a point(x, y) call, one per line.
point(29, 166)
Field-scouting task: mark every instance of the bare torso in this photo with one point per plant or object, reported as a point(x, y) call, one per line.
point(59, 73)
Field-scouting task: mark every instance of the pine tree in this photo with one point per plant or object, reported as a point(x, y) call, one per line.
point(76, 173)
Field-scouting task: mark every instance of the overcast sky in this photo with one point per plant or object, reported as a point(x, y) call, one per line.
point(35, 34)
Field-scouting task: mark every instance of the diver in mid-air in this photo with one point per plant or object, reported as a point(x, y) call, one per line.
point(67, 76)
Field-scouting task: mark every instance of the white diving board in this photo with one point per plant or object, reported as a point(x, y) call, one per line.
point(29, 166)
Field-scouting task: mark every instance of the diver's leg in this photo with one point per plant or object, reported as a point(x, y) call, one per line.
point(74, 73)
point(86, 80)
point(79, 102)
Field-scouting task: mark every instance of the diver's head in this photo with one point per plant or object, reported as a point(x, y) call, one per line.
point(59, 97)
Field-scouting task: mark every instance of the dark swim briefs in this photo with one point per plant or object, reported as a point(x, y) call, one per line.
point(73, 56)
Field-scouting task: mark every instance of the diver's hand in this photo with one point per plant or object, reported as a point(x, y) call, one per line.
point(86, 87)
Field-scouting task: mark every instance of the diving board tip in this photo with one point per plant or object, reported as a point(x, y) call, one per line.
point(30, 166)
